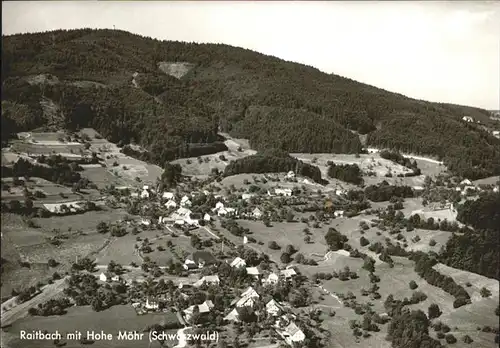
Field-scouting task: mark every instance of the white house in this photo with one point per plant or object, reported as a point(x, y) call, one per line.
point(280, 192)
point(257, 213)
point(213, 279)
point(288, 273)
point(466, 182)
point(338, 213)
point(271, 279)
point(199, 259)
point(496, 133)
point(218, 206)
point(171, 204)
point(293, 334)
point(274, 308)
point(468, 119)
point(238, 262)
point(226, 211)
point(253, 271)
point(168, 195)
point(290, 174)
point(203, 308)
point(134, 194)
point(232, 316)
point(115, 278)
point(185, 202)
point(418, 188)
point(495, 189)
point(103, 277)
point(247, 196)
point(207, 217)
point(145, 222)
point(151, 303)
point(145, 193)
point(340, 192)
point(248, 298)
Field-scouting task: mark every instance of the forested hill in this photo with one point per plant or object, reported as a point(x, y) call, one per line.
point(274, 103)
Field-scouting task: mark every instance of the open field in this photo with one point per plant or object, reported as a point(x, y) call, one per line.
point(112, 320)
point(284, 234)
point(126, 168)
point(373, 162)
point(21, 242)
point(191, 166)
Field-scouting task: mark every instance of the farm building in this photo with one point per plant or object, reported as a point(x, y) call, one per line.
point(279, 192)
point(290, 174)
point(257, 213)
point(248, 298)
point(207, 217)
point(199, 259)
point(232, 316)
point(247, 196)
point(171, 204)
point(226, 212)
point(185, 202)
point(145, 193)
point(288, 273)
point(467, 119)
point(339, 213)
point(271, 279)
point(274, 308)
point(253, 271)
point(292, 334)
point(203, 308)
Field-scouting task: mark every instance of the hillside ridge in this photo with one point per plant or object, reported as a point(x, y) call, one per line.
point(272, 102)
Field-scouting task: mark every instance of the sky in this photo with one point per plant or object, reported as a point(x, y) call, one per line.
point(436, 51)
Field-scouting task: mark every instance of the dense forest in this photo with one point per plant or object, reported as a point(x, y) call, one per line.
point(273, 161)
point(476, 251)
point(91, 76)
point(384, 192)
point(346, 172)
point(481, 213)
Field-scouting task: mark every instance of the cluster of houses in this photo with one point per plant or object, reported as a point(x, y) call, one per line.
point(284, 325)
point(466, 186)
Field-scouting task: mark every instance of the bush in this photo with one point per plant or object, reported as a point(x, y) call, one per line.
point(273, 245)
point(413, 285)
point(485, 292)
point(467, 339)
point(450, 339)
point(363, 241)
point(432, 242)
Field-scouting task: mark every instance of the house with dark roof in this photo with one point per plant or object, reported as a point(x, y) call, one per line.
point(199, 259)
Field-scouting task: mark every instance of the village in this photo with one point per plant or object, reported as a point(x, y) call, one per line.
point(257, 257)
